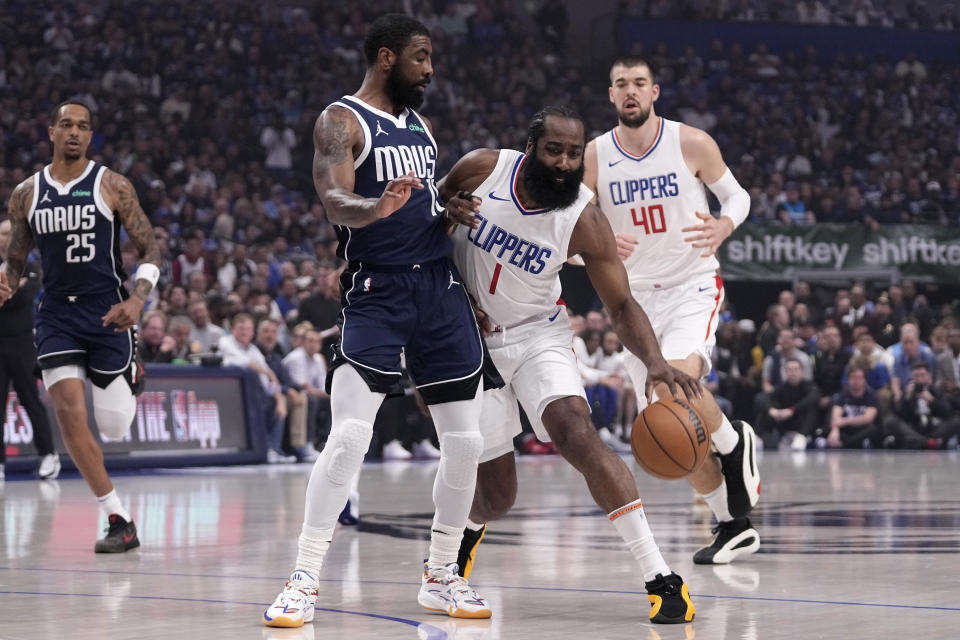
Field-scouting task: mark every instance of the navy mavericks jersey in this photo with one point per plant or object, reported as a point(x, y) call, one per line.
point(392, 147)
point(77, 234)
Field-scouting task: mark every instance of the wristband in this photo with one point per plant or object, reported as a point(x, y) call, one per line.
point(148, 272)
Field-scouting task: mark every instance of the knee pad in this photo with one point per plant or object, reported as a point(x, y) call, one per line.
point(459, 454)
point(349, 441)
point(114, 408)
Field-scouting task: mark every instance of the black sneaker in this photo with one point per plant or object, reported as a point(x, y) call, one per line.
point(741, 472)
point(733, 539)
point(468, 549)
point(669, 600)
point(121, 536)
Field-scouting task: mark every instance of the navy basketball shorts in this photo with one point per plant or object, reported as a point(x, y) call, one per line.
point(421, 311)
point(70, 332)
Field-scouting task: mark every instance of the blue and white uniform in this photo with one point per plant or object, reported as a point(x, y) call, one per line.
point(400, 291)
point(511, 266)
point(653, 196)
point(78, 237)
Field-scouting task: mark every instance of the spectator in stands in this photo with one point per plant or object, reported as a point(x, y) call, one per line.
point(775, 364)
point(192, 258)
point(792, 413)
point(882, 325)
point(238, 350)
point(922, 416)
point(296, 400)
point(308, 373)
point(828, 366)
point(871, 359)
point(948, 367)
point(204, 333)
point(239, 268)
point(154, 344)
point(286, 299)
point(792, 210)
point(175, 300)
point(853, 419)
point(910, 349)
point(737, 373)
point(278, 140)
point(179, 329)
point(778, 318)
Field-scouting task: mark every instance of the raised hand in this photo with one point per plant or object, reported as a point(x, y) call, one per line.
point(710, 234)
point(396, 194)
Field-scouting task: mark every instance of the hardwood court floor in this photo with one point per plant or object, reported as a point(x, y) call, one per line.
point(853, 545)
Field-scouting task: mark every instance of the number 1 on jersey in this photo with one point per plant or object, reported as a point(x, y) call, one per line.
point(495, 279)
point(648, 221)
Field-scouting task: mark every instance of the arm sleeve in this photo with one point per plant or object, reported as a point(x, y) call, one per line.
point(734, 199)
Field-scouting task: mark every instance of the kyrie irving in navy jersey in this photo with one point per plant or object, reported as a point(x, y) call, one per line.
point(72, 212)
point(374, 170)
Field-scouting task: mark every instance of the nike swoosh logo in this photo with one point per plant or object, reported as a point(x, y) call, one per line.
point(493, 197)
point(702, 289)
point(554, 316)
point(615, 163)
point(128, 538)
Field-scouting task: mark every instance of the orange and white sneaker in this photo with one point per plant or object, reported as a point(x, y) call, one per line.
point(444, 591)
point(294, 606)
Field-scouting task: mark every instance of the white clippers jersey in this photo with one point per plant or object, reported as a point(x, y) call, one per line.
point(510, 264)
point(653, 196)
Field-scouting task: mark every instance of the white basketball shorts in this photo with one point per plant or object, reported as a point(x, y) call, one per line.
point(538, 366)
point(684, 319)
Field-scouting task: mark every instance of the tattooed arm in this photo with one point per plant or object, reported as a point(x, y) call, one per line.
point(119, 194)
point(337, 140)
point(21, 239)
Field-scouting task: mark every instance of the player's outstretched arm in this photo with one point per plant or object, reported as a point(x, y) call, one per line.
point(337, 139)
point(21, 240)
point(457, 187)
point(593, 239)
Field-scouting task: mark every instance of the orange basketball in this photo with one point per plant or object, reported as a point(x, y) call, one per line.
point(669, 439)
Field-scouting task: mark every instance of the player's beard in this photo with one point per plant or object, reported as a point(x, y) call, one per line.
point(540, 181)
point(636, 121)
point(402, 92)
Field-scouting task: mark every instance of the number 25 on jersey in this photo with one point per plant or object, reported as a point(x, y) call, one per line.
point(81, 247)
point(650, 218)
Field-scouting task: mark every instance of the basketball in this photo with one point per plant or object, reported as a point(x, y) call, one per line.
point(669, 439)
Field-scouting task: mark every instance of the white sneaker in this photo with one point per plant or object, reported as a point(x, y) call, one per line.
point(308, 453)
point(799, 442)
point(275, 457)
point(425, 450)
point(444, 591)
point(613, 441)
point(49, 467)
point(393, 450)
point(294, 606)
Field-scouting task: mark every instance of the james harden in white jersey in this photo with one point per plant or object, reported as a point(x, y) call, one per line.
point(649, 175)
point(533, 214)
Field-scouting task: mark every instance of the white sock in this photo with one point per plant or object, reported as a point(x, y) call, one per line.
point(444, 544)
point(725, 439)
point(717, 500)
point(631, 524)
point(313, 545)
point(110, 503)
point(473, 526)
